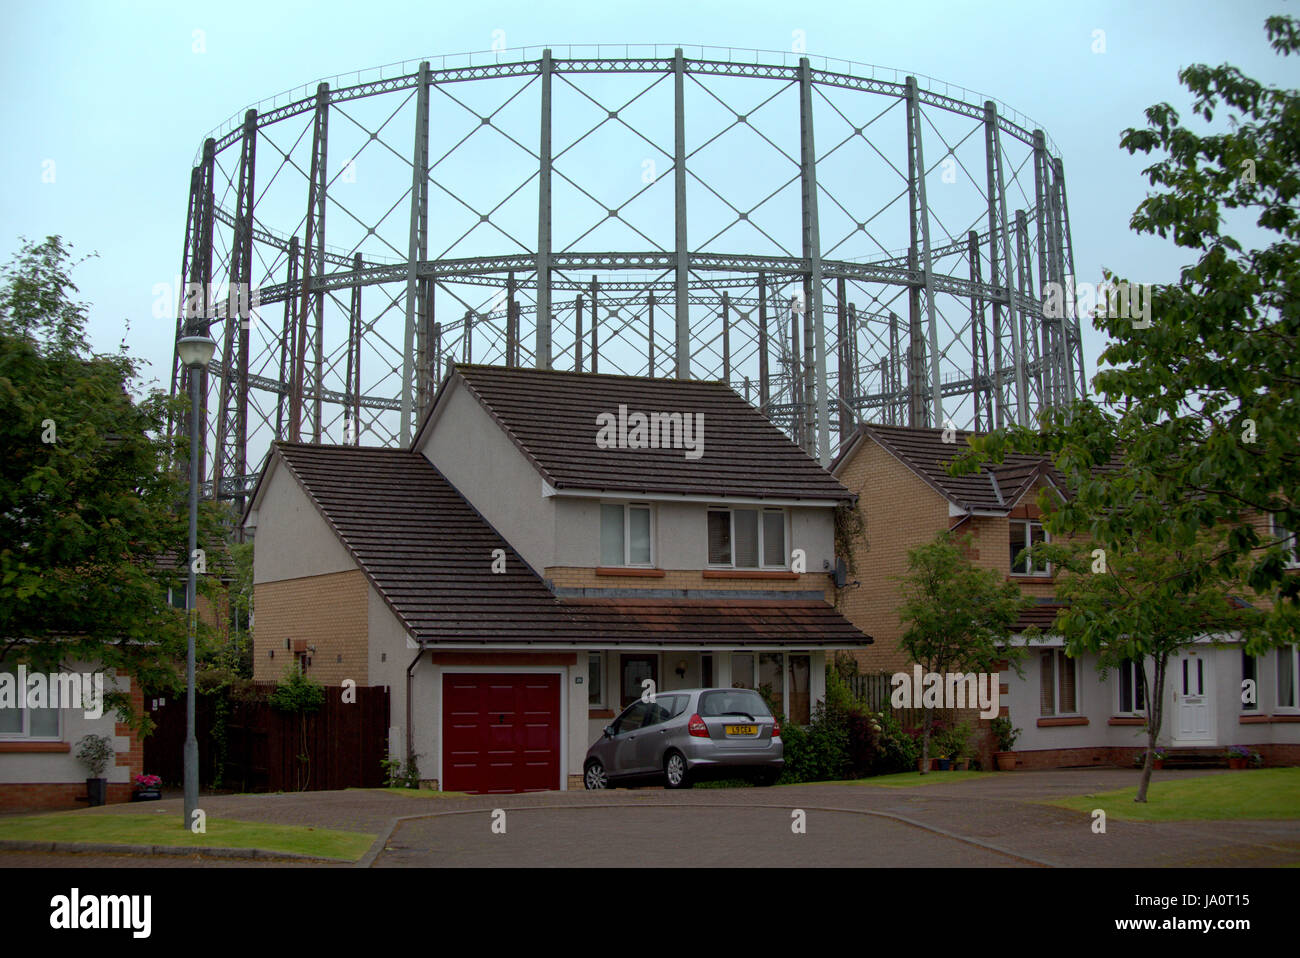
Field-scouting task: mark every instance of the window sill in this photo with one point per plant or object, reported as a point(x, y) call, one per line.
point(1126, 720)
point(783, 574)
point(1054, 721)
point(600, 713)
point(1031, 577)
point(35, 747)
point(1287, 717)
point(1253, 719)
point(630, 571)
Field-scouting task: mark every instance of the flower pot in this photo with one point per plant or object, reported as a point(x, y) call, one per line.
point(1006, 761)
point(1157, 763)
point(148, 794)
point(944, 764)
point(1237, 763)
point(97, 790)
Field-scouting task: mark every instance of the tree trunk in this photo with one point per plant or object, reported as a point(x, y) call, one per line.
point(1155, 697)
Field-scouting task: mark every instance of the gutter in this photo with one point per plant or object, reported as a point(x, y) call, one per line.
point(410, 730)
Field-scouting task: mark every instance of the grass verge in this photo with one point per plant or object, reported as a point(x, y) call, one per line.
point(412, 792)
point(1267, 793)
point(135, 829)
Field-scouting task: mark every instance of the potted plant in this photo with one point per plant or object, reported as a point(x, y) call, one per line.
point(1158, 758)
point(1255, 760)
point(1237, 756)
point(1006, 736)
point(943, 748)
point(148, 788)
point(95, 752)
point(959, 746)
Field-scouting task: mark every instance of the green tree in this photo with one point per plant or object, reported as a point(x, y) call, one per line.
point(88, 501)
point(958, 617)
point(1130, 601)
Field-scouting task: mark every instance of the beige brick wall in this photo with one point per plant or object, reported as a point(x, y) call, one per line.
point(325, 611)
point(569, 577)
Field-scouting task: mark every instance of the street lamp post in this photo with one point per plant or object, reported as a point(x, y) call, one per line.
point(195, 352)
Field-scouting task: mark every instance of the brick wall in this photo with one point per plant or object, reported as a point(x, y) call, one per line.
point(571, 577)
point(329, 612)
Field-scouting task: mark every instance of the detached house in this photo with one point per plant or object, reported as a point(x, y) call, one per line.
point(551, 543)
point(1068, 714)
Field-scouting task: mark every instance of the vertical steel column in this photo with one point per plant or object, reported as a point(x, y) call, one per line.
point(1025, 289)
point(313, 262)
point(921, 210)
point(468, 337)
point(287, 363)
point(417, 251)
point(1074, 337)
point(843, 358)
point(1046, 264)
point(180, 376)
point(1017, 346)
point(543, 319)
point(247, 199)
point(437, 351)
point(577, 333)
point(512, 323)
point(764, 385)
point(819, 445)
point(798, 384)
point(979, 336)
point(682, 265)
point(650, 335)
point(595, 337)
point(352, 392)
point(895, 371)
point(726, 337)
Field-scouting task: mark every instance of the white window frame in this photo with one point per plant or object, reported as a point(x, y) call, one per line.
point(25, 733)
point(627, 507)
point(1293, 651)
point(1129, 665)
point(1293, 553)
point(731, 518)
point(600, 672)
point(1029, 541)
point(1251, 707)
point(1057, 656)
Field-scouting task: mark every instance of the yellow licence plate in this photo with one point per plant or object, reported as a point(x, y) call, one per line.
point(742, 729)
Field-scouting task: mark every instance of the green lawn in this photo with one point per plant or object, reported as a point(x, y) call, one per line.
point(1267, 793)
point(913, 779)
point(138, 829)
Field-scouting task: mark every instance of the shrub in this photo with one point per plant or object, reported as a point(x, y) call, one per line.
point(95, 752)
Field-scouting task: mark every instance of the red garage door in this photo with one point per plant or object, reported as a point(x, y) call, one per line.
point(500, 733)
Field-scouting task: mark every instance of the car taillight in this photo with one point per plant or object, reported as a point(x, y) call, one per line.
point(776, 729)
point(697, 727)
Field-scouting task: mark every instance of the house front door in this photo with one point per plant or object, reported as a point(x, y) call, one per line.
point(633, 670)
point(1193, 701)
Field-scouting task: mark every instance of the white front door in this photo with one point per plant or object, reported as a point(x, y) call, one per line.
point(1193, 675)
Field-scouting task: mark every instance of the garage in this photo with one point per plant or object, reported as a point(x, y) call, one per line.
point(501, 732)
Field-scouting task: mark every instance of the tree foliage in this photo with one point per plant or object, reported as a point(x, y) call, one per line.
point(88, 499)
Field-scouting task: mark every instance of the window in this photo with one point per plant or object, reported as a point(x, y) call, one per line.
point(20, 722)
point(663, 708)
point(625, 535)
point(176, 596)
point(595, 672)
point(1289, 544)
point(1132, 700)
point(771, 678)
point(799, 700)
point(1250, 672)
point(1057, 692)
point(742, 670)
point(633, 718)
point(731, 702)
point(1288, 668)
point(747, 538)
point(1024, 535)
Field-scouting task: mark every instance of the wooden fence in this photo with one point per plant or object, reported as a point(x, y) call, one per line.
point(875, 689)
point(340, 746)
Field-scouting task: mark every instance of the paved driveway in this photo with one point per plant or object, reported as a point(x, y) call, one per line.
point(982, 822)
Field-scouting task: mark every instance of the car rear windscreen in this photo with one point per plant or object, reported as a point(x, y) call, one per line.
point(727, 701)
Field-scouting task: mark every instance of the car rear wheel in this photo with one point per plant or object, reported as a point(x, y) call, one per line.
point(595, 776)
point(675, 772)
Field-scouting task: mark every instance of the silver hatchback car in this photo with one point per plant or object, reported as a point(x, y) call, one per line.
point(685, 735)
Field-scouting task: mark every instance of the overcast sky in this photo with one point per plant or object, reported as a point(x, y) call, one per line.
point(115, 98)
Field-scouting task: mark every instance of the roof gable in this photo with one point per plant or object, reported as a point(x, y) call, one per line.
point(552, 417)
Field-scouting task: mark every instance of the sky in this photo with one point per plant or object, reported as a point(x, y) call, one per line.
point(109, 101)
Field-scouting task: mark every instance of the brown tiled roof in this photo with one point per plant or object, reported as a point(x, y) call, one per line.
point(997, 487)
point(1041, 614)
point(551, 417)
point(727, 621)
point(429, 554)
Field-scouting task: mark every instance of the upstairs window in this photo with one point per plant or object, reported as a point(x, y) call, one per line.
point(1292, 549)
point(747, 538)
point(1026, 534)
point(625, 538)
